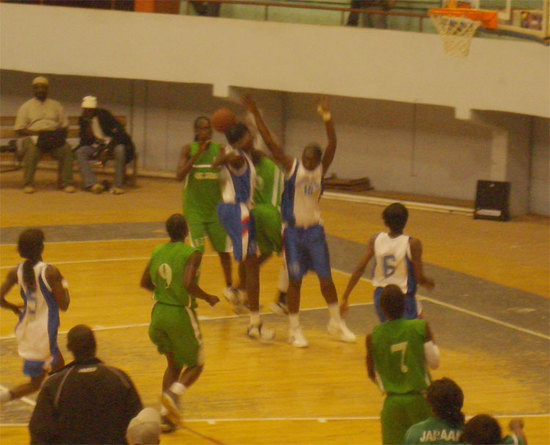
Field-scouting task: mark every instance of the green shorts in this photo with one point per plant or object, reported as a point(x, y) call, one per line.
point(215, 232)
point(267, 220)
point(399, 413)
point(176, 329)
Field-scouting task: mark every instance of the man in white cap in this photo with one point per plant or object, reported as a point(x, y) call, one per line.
point(144, 429)
point(102, 137)
point(42, 126)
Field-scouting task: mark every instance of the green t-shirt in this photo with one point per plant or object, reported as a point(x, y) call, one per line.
point(398, 350)
point(269, 182)
point(432, 431)
point(166, 268)
point(202, 189)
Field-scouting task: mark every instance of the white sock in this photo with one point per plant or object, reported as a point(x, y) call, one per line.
point(255, 318)
point(294, 320)
point(283, 280)
point(177, 388)
point(334, 311)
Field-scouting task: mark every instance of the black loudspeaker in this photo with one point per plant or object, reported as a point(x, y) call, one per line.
point(492, 198)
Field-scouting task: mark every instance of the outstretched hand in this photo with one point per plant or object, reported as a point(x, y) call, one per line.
point(323, 106)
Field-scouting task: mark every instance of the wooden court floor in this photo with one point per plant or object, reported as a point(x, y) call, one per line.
point(252, 393)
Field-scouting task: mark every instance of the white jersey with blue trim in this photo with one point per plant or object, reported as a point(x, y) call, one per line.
point(300, 200)
point(393, 263)
point(36, 331)
point(238, 185)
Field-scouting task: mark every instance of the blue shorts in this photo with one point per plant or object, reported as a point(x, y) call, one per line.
point(306, 249)
point(34, 368)
point(239, 225)
point(411, 305)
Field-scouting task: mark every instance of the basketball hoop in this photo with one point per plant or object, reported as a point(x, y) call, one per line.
point(457, 27)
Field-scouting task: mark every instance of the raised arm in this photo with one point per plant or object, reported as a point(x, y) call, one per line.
point(9, 282)
point(60, 287)
point(190, 281)
point(357, 274)
point(416, 259)
point(273, 146)
point(186, 161)
point(330, 149)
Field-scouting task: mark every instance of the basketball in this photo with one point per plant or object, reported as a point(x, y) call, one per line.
point(222, 119)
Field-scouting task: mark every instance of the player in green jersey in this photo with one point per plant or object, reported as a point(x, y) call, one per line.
point(485, 429)
point(445, 426)
point(201, 195)
point(172, 274)
point(398, 353)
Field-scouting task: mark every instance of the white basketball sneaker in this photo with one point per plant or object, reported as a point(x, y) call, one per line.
point(340, 331)
point(260, 332)
point(296, 338)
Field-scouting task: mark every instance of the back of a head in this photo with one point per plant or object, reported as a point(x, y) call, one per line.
point(392, 301)
point(30, 246)
point(395, 217)
point(446, 399)
point(81, 341)
point(482, 429)
point(176, 226)
point(236, 132)
point(144, 429)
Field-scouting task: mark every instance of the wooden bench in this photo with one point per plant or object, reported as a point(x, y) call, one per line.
point(8, 138)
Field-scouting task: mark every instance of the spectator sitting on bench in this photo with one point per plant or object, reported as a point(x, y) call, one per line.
point(102, 136)
point(42, 126)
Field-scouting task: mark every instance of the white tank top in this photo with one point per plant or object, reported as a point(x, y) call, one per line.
point(36, 331)
point(300, 200)
point(393, 262)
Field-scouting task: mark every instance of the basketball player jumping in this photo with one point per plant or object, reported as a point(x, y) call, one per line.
point(304, 238)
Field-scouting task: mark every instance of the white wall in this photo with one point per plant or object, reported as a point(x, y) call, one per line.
point(400, 129)
point(389, 65)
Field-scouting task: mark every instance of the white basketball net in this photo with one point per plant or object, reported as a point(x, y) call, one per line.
point(457, 33)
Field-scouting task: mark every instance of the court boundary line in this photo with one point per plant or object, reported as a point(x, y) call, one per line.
point(325, 419)
point(468, 312)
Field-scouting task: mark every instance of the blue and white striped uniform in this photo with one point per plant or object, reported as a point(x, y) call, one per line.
point(393, 265)
point(234, 211)
point(304, 239)
point(36, 331)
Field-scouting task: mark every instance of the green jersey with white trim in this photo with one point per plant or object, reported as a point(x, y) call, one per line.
point(202, 189)
point(398, 350)
point(269, 182)
point(166, 268)
point(433, 431)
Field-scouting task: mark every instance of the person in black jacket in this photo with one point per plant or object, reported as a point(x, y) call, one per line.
point(101, 137)
point(86, 402)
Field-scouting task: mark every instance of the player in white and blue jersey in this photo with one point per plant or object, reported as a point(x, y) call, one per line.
point(44, 293)
point(239, 177)
point(304, 239)
point(397, 260)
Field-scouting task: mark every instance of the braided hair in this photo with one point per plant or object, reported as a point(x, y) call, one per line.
point(30, 246)
point(446, 399)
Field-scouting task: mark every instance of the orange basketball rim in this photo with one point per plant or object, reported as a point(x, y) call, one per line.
point(487, 18)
